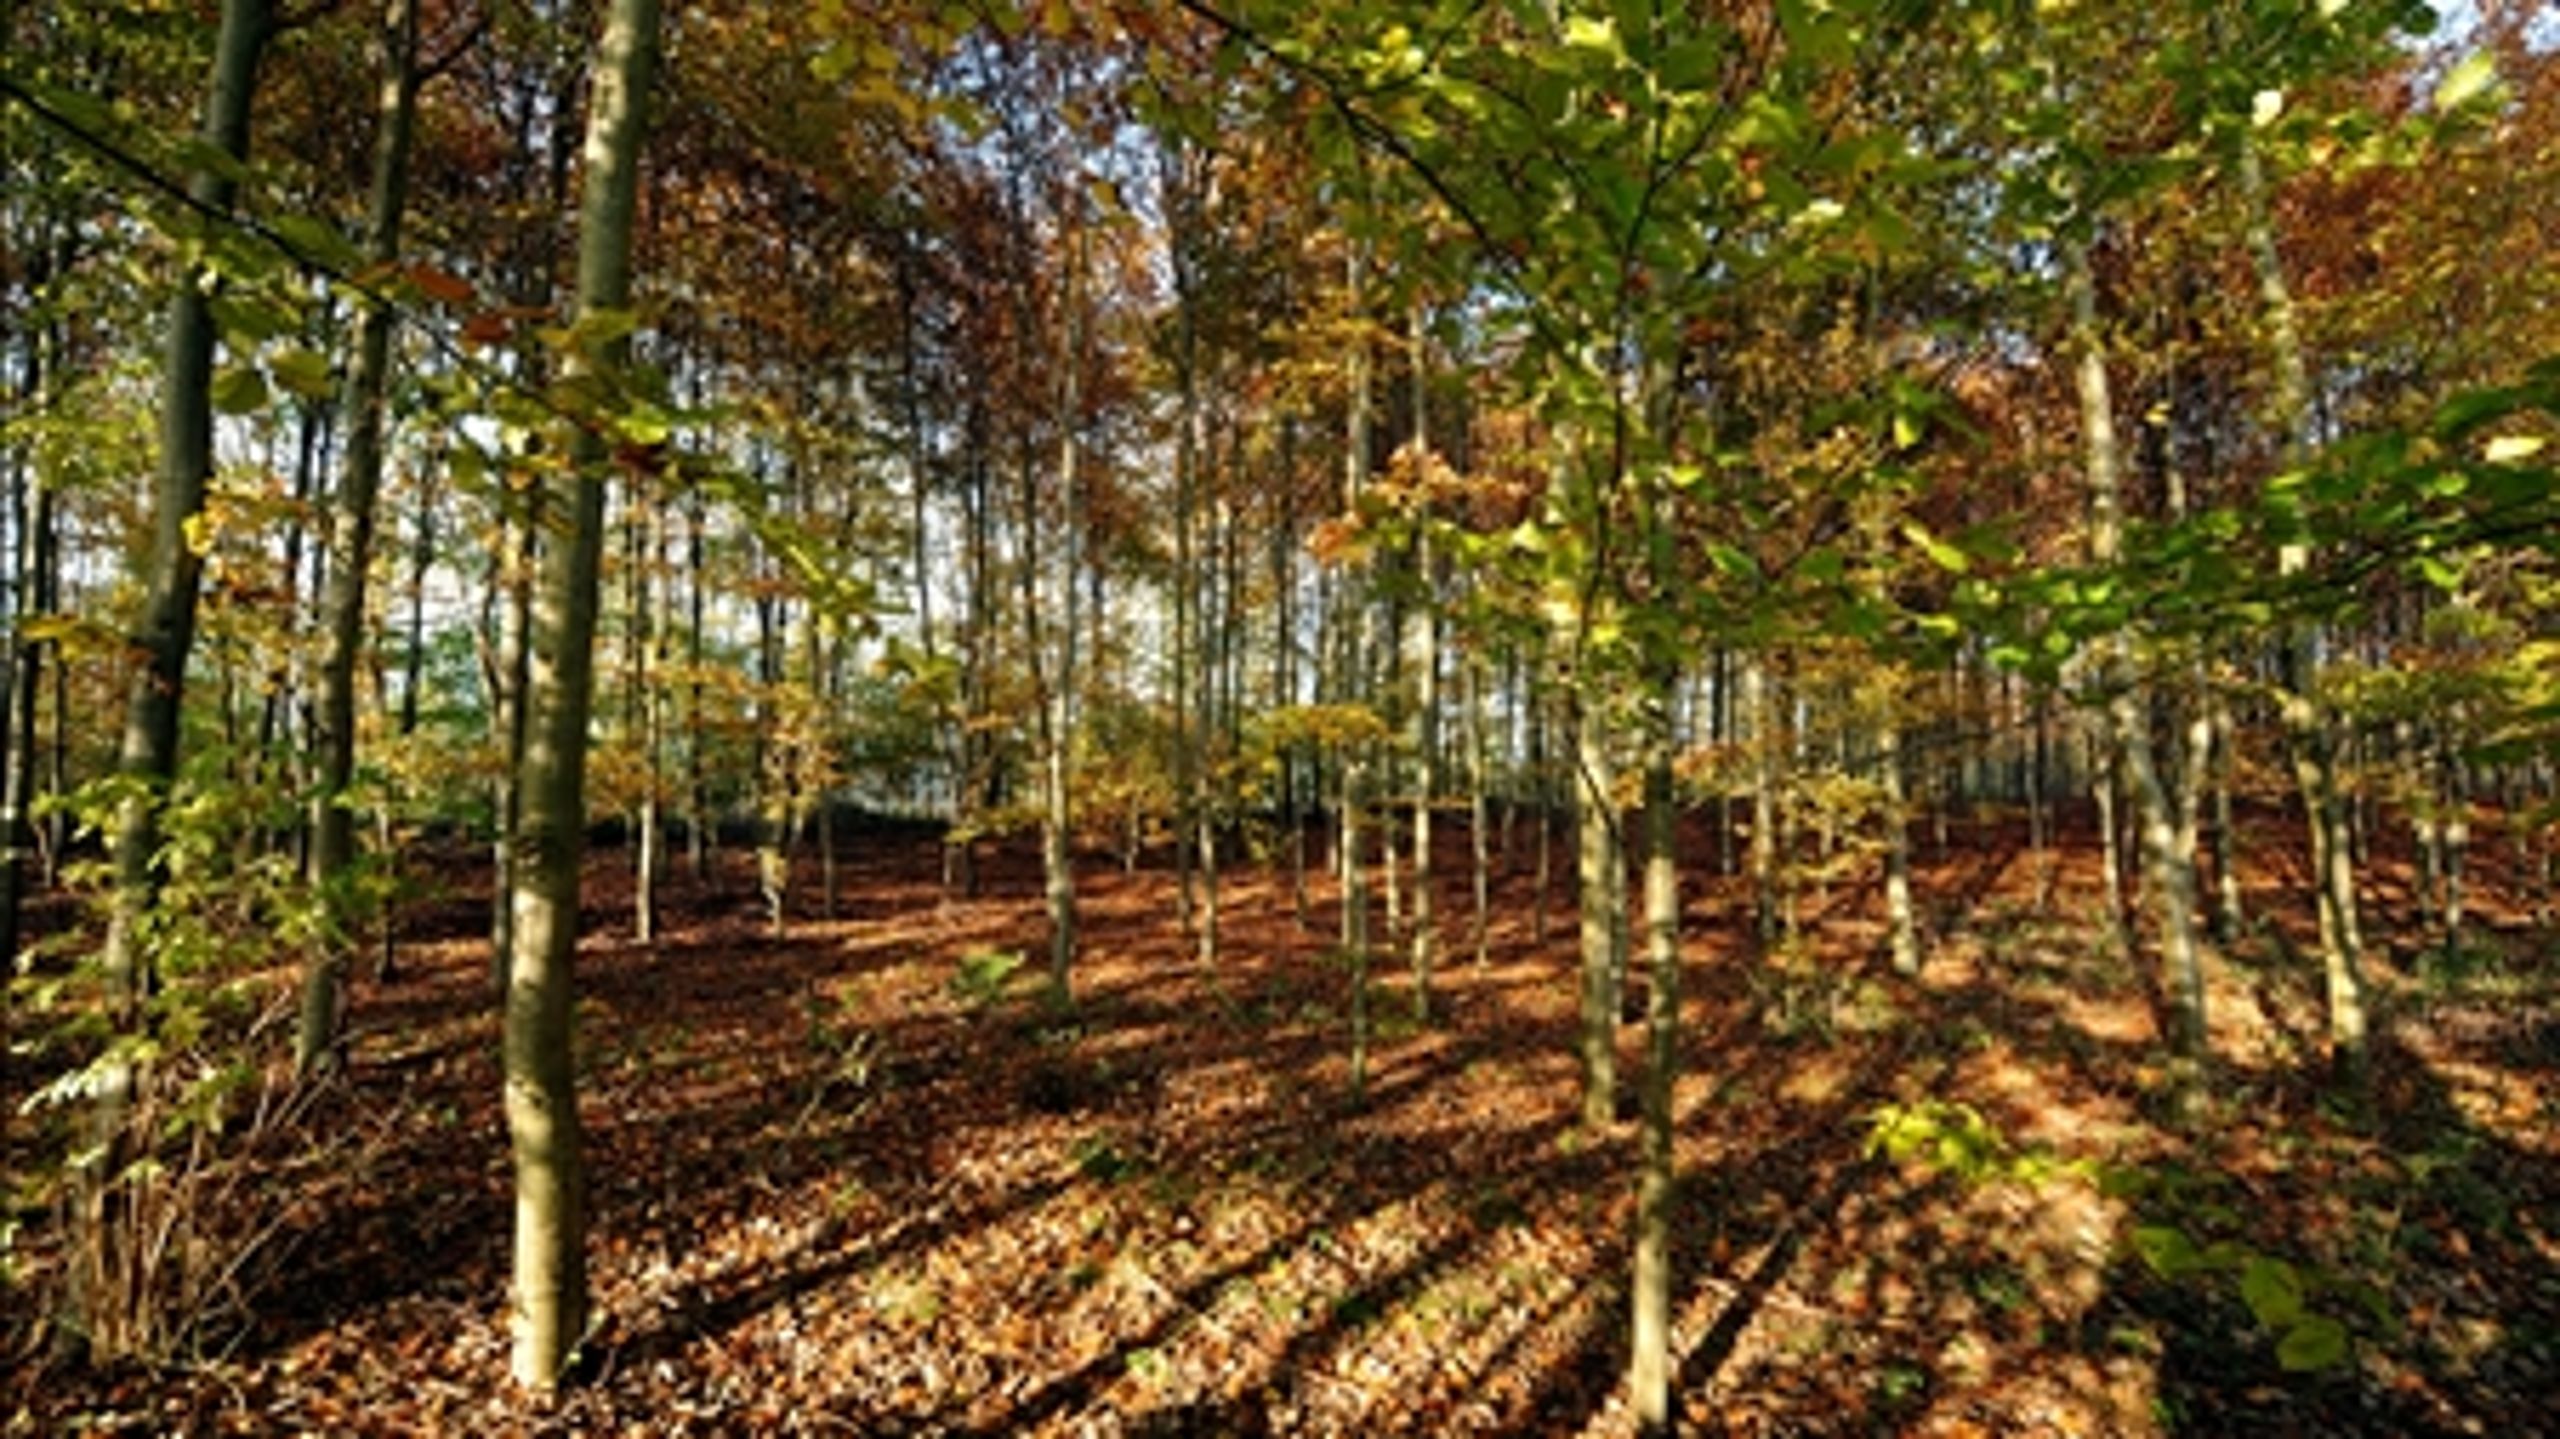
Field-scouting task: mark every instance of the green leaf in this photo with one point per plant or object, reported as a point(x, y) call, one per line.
point(2467, 81)
point(1946, 556)
point(1692, 64)
point(2166, 1250)
point(316, 240)
point(2273, 1291)
point(249, 320)
point(2439, 572)
point(1732, 561)
point(1586, 32)
point(304, 373)
point(2318, 1342)
point(239, 390)
point(644, 424)
point(596, 329)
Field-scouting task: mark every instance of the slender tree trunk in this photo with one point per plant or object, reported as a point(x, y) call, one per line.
point(1186, 759)
point(2104, 785)
point(1721, 733)
point(2127, 707)
point(1542, 787)
point(550, 1294)
point(1360, 607)
point(1209, 800)
point(422, 558)
point(1603, 907)
point(32, 504)
point(351, 552)
point(163, 636)
point(2456, 788)
point(649, 679)
point(1764, 800)
point(773, 765)
point(1901, 924)
point(2039, 802)
point(1425, 659)
point(1477, 818)
point(1650, 1368)
point(2231, 915)
point(512, 564)
point(1057, 721)
point(700, 826)
point(287, 729)
point(2309, 733)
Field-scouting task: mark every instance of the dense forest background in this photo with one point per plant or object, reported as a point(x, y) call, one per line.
point(1495, 715)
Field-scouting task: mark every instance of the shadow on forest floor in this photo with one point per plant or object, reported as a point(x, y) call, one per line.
point(861, 1176)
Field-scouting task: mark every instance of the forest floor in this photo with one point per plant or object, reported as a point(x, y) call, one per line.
point(858, 1178)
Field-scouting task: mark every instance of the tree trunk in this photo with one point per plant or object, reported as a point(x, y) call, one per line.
point(1764, 800)
point(550, 1300)
point(351, 552)
point(1057, 717)
point(648, 678)
point(1650, 1367)
point(511, 566)
point(2169, 875)
point(1542, 788)
point(31, 501)
point(164, 634)
point(2309, 734)
point(700, 827)
point(1603, 908)
point(1901, 925)
point(1425, 659)
point(1476, 817)
point(2231, 915)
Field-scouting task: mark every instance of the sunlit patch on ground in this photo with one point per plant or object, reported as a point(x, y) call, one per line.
point(864, 1177)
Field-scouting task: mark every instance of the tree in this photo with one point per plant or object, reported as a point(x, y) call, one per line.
point(351, 544)
point(163, 636)
point(550, 1298)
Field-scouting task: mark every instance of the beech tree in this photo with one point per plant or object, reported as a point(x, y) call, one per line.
point(550, 1291)
point(163, 636)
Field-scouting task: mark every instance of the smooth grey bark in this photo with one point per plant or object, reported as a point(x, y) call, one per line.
point(1757, 704)
point(350, 540)
point(2310, 735)
point(549, 1301)
point(1650, 1364)
point(1352, 680)
point(773, 762)
point(1424, 657)
point(512, 568)
point(1352, 669)
point(1477, 784)
point(1902, 925)
point(1209, 799)
point(522, 526)
point(1183, 220)
point(1542, 788)
point(1603, 904)
point(699, 825)
point(2169, 875)
point(2105, 784)
point(1054, 692)
point(2231, 915)
point(649, 665)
